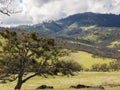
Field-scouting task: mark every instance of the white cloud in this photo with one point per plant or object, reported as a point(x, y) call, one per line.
point(36, 11)
point(53, 9)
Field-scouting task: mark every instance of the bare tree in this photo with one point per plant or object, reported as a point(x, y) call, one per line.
point(6, 7)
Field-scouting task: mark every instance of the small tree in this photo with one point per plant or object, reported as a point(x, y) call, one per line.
point(114, 65)
point(95, 67)
point(104, 67)
point(22, 53)
point(100, 67)
point(67, 67)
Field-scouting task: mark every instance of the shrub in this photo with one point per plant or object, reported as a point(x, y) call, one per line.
point(114, 66)
point(68, 67)
point(95, 67)
point(100, 67)
point(104, 67)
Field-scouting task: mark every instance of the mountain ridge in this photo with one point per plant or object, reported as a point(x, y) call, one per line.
point(81, 19)
point(86, 31)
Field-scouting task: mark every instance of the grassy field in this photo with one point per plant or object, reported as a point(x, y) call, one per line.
point(64, 82)
point(86, 59)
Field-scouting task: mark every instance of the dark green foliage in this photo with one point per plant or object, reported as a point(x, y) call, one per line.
point(112, 66)
point(67, 67)
point(104, 68)
point(100, 67)
point(115, 65)
point(23, 53)
point(95, 67)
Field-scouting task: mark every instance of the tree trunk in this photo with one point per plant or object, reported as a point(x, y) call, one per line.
point(20, 75)
point(19, 83)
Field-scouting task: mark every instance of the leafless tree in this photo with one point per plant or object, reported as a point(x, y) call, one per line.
point(5, 7)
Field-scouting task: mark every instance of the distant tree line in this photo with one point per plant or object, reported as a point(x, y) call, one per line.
point(110, 67)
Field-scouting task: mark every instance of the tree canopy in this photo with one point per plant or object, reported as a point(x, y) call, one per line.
point(22, 53)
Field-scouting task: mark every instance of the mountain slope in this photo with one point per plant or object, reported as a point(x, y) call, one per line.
point(91, 32)
point(88, 18)
point(72, 24)
point(91, 29)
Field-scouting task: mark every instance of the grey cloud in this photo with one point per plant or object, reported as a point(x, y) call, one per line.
point(36, 11)
point(54, 9)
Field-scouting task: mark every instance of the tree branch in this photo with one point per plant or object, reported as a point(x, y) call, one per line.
point(5, 13)
point(29, 78)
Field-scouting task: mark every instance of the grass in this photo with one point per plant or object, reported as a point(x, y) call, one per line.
point(86, 59)
point(88, 28)
point(91, 37)
point(74, 25)
point(114, 44)
point(64, 82)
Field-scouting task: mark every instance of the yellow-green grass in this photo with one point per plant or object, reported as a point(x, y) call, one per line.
point(86, 59)
point(114, 44)
point(64, 82)
point(75, 42)
point(91, 37)
point(88, 27)
point(2, 41)
point(74, 25)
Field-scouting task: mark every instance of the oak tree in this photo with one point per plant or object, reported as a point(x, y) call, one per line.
point(26, 54)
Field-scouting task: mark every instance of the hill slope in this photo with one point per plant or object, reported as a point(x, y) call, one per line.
point(74, 22)
point(85, 31)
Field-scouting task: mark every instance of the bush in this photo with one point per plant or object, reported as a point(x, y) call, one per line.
point(95, 67)
point(67, 67)
point(115, 65)
point(100, 67)
point(104, 67)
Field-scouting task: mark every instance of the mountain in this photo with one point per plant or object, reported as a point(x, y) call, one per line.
point(88, 18)
point(91, 32)
point(73, 23)
point(88, 28)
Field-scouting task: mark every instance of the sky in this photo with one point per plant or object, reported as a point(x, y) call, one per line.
point(37, 11)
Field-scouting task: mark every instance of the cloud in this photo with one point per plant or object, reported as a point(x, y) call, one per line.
point(53, 9)
point(104, 6)
point(36, 11)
